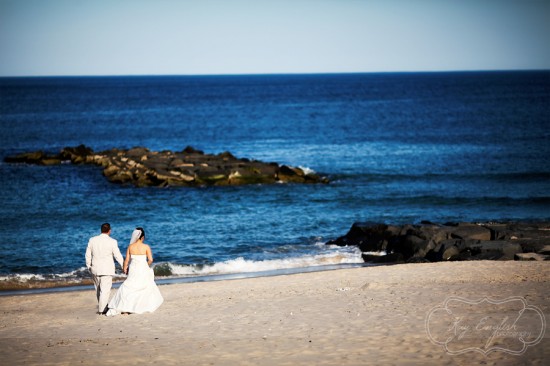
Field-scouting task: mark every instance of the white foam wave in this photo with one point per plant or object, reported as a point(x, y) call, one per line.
point(381, 253)
point(306, 170)
point(25, 277)
point(241, 265)
point(332, 255)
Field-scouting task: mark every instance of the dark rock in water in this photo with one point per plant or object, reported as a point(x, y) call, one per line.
point(451, 241)
point(77, 155)
point(488, 250)
point(162, 270)
point(410, 246)
point(35, 157)
point(471, 231)
point(192, 150)
point(369, 237)
point(449, 252)
point(190, 167)
point(499, 231)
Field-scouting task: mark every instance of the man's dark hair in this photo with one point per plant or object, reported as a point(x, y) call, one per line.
point(105, 228)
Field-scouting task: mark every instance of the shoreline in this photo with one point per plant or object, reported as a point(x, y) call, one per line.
point(374, 243)
point(367, 315)
point(86, 284)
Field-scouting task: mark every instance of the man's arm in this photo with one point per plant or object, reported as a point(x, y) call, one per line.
point(117, 255)
point(89, 256)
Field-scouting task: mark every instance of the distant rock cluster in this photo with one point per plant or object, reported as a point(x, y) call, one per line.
point(430, 242)
point(190, 167)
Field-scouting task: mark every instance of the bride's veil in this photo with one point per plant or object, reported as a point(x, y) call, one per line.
point(135, 236)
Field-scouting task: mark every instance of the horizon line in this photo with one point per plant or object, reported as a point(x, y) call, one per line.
point(278, 73)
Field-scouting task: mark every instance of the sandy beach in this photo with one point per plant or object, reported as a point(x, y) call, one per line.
point(374, 315)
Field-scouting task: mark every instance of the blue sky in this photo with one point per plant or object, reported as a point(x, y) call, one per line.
point(137, 37)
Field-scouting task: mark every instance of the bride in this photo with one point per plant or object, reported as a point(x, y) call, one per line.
point(138, 293)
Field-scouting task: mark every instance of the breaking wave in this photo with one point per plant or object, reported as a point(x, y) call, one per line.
point(241, 265)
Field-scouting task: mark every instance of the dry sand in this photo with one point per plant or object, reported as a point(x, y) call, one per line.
point(361, 316)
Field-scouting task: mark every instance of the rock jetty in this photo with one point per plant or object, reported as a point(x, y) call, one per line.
point(190, 167)
point(430, 242)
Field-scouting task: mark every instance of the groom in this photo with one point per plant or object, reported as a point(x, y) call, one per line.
point(99, 261)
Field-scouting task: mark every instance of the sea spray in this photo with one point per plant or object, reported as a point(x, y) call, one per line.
point(241, 265)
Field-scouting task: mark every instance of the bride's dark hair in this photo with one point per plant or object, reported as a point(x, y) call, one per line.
point(142, 232)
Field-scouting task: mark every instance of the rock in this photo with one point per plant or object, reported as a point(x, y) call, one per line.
point(502, 245)
point(410, 246)
point(437, 234)
point(191, 167)
point(110, 170)
point(27, 158)
point(226, 155)
point(287, 174)
point(436, 254)
point(100, 160)
point(192, 150)
point(427, 222)
point(51, 161)
point(499, 231)
point(471, 231)
point(495, 249)
point(77, 155)
point(452, 241)
point(407, 229)
point(531, 257)
point(369, 237)
point(162, 270)
point(137, 153)
point(449, 252)
point(179, 163)
point(462, 256)
point(121, 177)
point(530, 245)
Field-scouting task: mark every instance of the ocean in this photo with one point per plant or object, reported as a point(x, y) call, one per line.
point(397, 148)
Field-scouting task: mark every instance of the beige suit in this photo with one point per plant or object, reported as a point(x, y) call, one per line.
point(99, 260)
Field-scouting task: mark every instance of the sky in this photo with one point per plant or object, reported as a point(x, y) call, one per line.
point(169, 37)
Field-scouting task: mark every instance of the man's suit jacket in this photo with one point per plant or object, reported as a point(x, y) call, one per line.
point(99, 255)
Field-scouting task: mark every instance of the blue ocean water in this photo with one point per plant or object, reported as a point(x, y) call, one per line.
point(397, 147)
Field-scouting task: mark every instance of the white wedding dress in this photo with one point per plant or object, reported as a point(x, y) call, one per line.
point(139, 293)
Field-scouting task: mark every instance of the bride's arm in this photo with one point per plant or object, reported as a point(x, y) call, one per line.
point(149, 255)
point(126, 260)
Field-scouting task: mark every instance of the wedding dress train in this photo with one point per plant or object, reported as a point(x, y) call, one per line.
point(138, 293)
